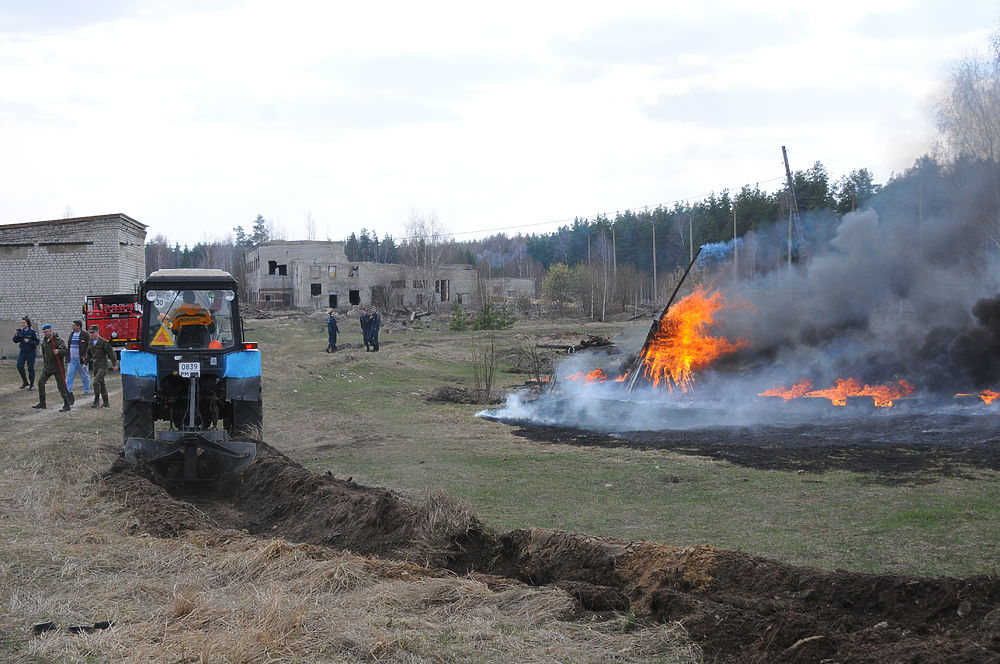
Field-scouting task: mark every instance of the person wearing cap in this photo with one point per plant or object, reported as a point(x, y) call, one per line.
point(28, 340)
point(79, 346)
point(54, 356)
point(101, 354)
point(331, 333)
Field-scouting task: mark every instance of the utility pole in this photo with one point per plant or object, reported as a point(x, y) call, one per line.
point(690, 239)
point(793, 206)
point(654, 262)
point(604, 289)
point(590, 273)
point(736, 258)
point(614, 255)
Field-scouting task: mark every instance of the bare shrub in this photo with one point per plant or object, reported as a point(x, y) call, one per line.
point(483, 358)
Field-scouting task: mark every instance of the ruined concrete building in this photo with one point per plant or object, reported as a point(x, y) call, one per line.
point(501, 289)
point(317, 275)
point(50, 266)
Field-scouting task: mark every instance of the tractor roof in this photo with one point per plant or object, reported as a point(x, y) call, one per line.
point(191, 277)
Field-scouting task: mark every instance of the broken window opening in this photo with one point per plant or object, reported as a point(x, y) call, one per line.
point(441, 287)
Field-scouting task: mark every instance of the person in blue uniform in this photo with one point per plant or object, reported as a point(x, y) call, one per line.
point(366, 324)
point(374, 324)
point(331, 333)
point(28, 350)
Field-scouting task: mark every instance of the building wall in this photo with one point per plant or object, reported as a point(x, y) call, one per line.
point(501, 288)
point(315, 271)
point(50, 266)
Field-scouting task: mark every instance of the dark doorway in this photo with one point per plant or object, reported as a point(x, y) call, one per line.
point(379, 297)
point(333, 300)
point(354, 297)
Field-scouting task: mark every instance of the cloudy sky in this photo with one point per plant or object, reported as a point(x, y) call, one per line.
point(194, 116)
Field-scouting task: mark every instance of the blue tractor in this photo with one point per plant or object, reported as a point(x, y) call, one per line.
point(191, 369)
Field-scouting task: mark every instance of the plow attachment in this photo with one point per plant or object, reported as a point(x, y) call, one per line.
point(191, 456)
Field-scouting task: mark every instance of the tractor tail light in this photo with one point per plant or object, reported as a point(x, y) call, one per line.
point(249, 345)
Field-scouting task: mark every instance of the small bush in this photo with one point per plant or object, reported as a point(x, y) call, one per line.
point(458, 320)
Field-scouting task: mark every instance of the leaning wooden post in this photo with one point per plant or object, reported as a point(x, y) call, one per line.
point(637, 365)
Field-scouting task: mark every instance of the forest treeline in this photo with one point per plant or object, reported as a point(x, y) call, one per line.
point(625, 243)
point(709, 220)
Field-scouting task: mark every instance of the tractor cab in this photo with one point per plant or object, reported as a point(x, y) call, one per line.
point(192, 370)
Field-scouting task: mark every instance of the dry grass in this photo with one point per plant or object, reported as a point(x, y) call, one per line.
point(440, 522)
point(201, 599)
point(225, 597)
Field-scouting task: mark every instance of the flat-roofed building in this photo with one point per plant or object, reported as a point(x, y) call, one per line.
point(313, 275)
point(50, 266)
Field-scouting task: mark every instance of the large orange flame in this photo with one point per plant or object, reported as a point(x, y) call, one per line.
point(595, 376)
point(988, 396)
point(797, 390)
point(882, 395)
point(682, 345)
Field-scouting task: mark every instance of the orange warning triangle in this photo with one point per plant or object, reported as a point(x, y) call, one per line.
point(162, 338)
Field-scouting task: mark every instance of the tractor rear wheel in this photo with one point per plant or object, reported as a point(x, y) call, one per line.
point(137, 419)
point(248, 419)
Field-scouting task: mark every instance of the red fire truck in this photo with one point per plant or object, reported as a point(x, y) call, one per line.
point(116, 316)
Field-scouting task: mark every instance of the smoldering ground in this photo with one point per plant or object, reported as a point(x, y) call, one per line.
point(906, 289)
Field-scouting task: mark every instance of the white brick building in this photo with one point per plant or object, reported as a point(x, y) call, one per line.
point(49, 267)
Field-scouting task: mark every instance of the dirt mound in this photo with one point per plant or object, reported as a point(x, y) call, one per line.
point(529, 361)
point(277, 495)
point(463, 395)
point(152, 509)
point(740, 608)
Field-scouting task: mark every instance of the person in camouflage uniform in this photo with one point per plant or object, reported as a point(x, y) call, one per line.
point(101, 354)
point(54, 356)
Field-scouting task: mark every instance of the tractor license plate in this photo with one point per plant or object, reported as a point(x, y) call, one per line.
point(189, 369)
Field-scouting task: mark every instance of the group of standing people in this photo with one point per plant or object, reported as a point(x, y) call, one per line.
point(371, 323)
point(63, 362)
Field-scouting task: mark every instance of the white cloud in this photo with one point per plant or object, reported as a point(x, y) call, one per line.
point(195, 117)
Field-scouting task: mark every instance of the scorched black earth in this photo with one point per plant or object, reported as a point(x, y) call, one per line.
point(889, 447)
